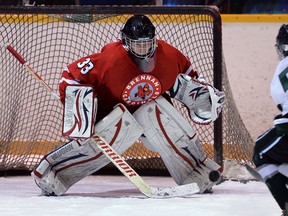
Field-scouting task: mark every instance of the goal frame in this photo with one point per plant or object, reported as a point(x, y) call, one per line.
point(212, 11)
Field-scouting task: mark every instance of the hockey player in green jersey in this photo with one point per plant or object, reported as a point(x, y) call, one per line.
point(271, 148)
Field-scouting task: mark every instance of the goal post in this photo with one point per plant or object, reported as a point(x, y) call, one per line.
point(50, 38)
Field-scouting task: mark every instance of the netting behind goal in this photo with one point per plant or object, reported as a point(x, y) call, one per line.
point(50, 38)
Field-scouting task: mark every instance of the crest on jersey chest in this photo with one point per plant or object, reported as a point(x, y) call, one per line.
point(141, 89)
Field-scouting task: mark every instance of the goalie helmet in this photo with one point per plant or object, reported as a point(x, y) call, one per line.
point(282, 42)
point(138, 37)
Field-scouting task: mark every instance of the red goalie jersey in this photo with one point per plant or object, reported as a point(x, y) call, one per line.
point(116, 78)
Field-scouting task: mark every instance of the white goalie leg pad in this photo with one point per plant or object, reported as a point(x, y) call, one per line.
point(70, 163)
point(168, 133)
point(119, 128)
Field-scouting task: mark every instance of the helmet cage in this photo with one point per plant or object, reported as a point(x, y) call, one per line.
point(282, 50)
point(142, 48)
point(282, 42)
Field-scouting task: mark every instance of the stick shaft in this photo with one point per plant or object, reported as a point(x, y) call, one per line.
point(31, 71)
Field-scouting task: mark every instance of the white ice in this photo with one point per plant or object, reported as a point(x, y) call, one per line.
point(116, 196)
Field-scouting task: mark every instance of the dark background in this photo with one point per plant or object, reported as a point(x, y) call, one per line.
point(225, 6)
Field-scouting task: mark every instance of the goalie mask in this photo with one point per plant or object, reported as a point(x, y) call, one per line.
point(282, 42)
point(138, 37)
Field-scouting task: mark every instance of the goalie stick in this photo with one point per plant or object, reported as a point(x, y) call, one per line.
point(116, 159)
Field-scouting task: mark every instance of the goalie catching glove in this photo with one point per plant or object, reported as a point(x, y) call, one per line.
point(203, 101)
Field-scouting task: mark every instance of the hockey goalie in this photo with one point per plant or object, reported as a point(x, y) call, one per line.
point(123, 94)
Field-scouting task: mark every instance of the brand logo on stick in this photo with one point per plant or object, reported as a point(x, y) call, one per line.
point(116, 158)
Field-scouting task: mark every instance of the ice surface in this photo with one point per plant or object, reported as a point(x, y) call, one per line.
point(115, 195)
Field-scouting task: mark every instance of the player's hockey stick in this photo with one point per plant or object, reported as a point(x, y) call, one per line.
point(116, 159)
point(254, 173)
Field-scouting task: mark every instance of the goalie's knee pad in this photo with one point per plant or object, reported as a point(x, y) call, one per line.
point(169, 134)
point(70, 163)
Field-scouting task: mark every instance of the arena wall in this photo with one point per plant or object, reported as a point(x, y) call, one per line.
point(251, 58)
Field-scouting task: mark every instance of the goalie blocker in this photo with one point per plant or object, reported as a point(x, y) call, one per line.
point(80, 108)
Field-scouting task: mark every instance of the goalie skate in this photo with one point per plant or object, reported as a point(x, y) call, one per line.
point(50, 186)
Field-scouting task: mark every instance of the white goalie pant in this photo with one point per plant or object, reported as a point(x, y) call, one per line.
point(70, 163)
point(167, 132)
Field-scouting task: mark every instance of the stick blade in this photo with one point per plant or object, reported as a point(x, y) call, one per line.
point(254, 173)
point(177, 191)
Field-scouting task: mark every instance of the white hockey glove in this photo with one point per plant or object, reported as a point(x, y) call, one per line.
point(203, 101)
point(80, 108)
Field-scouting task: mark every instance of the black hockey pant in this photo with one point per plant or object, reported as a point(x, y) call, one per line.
point(270, 148)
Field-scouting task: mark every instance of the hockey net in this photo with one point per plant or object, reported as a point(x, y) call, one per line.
point(50, 38)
